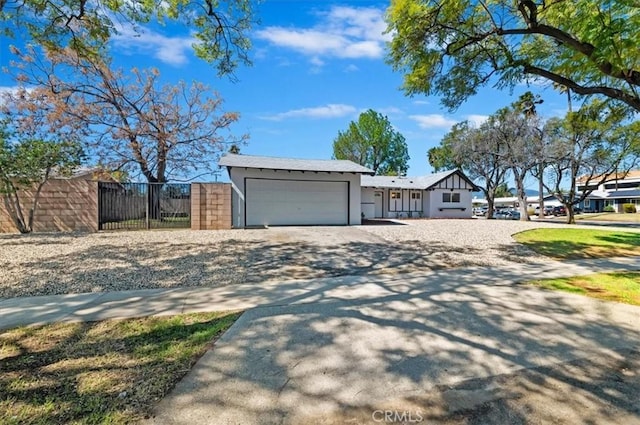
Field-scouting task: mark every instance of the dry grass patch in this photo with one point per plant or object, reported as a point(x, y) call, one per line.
point(623, 287)
point(618, 217)
point(101, 372)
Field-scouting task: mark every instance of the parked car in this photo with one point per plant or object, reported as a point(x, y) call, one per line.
point(480, 211)
point(559, 210)
point(548, 210)
point(507, 214)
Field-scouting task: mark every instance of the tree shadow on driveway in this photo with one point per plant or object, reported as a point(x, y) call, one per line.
point(449, 347)
point(107, 266)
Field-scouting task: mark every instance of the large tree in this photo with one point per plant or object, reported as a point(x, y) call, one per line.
point(130, 121)
point(219, 28)
point(454, 47)
point(34, 146)
point(373, 142)
point(519, 136)
point(593, 143)
point(477, 153)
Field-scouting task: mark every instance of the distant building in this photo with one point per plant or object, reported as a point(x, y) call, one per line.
point(619, 189)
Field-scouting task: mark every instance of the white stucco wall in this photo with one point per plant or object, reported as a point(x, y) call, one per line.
point(435, 204)
point(238, 176)
point(368, 202)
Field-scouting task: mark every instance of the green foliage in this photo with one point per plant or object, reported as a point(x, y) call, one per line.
point(591, 143)
point(629, 208)
point(441, 158)
point(609, 208)
point(27, 165)
point(503, 191)
point(372, 142)
point(452, 48)
point(220, 28)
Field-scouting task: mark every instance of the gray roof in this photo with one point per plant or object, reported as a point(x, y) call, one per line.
point(293, 164)
point(619, 194)
point(416, 183)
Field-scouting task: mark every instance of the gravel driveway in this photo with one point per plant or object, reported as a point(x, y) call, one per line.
point(72, 263)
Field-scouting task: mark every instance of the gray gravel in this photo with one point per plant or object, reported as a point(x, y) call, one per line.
point(73, 263)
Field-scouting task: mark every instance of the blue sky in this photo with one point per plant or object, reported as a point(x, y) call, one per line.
point(316, 66)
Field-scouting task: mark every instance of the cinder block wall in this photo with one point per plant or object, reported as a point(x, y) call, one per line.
point(65, 205)
point(210, 206)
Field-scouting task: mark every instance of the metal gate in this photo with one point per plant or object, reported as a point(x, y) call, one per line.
point(143, 205)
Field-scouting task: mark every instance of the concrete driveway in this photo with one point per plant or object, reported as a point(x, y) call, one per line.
point(451, 347)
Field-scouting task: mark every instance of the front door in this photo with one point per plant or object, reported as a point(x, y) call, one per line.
point(416, 201)
point(377, 198)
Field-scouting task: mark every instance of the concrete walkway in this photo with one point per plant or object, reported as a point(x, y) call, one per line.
point(420, 347)
point(126, 304)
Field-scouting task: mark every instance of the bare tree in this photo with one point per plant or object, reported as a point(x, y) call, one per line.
point(518, 137)
point(477, 153)
point(593, 143)
point(130, 121)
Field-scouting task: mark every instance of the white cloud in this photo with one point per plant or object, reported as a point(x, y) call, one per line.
point(7, 92)
point(390, 110)
point(12, 89)
point(477, 120)
point(432, 121)
point(170, 50)
point(351, 68)
point(332, 110)
point(421, 102)
point(343, 32)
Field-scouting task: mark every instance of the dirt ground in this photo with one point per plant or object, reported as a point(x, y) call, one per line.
point(50, 264)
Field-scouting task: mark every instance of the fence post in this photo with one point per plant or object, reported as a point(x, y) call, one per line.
point(146, 208)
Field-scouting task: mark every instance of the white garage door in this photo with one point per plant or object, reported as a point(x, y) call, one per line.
point(295, 202)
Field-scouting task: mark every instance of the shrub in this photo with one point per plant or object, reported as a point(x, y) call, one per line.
point(629, 208)
point(609, 208)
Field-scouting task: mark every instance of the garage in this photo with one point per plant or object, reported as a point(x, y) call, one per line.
point(276, 191)
point(296, 202)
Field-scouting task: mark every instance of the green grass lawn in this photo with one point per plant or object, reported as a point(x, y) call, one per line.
point(622, 218)
point(109, 372)
point(622, 287)
point(580, 243)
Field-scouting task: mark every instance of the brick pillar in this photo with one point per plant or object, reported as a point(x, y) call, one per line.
point(210, 206)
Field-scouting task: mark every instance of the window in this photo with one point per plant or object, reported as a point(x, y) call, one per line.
point(450, 197)
point(415, 195)
point(395, 200)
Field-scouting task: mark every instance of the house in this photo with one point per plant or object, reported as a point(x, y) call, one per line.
point(440, 195)
point(288, 191)
point(513, 202)
point(619, 189)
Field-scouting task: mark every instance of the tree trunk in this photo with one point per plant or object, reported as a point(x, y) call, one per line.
point(490, 195)
point(34, 204)
point(522, 196)
point(571, 217)
point(153, 201)
point(540, 192)
point(14, 208)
